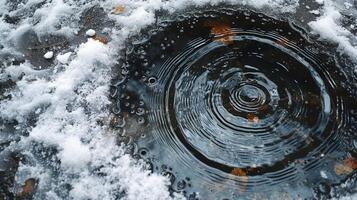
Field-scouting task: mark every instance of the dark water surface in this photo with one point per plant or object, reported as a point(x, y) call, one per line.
point(235, 104)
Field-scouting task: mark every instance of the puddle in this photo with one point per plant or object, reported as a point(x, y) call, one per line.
point(235, 104)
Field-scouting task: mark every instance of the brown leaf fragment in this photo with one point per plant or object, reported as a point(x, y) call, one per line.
point(238, 172)
point(27, 190)
point(346, 167)
point(119, 9)
point(252, 118)
point(242, 177)
point(351, 162)
point(101, 39)
point(341, 169)
point(222, 32)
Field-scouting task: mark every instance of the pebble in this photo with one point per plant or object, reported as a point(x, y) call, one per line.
point(48, 55)
point(90, 33)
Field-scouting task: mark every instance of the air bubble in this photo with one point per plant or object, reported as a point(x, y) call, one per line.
point(140, 111)
point(141, 120)
point(181, 185)
point(152, 81)
point(143, 152)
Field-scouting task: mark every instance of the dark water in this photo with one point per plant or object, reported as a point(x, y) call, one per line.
point(235, 104)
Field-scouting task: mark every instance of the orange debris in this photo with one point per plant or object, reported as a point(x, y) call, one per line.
point(101, 39)
point(242, 177)
point(222, 32)
point(118, 9)
point(252, 118)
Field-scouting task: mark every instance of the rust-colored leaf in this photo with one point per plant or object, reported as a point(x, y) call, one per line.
point(351, 162)
point(242, 177)
point(238, 172)
point(118, 9)
point(341, 169)
point(222, 32)
point(27, 189)
point(346, 167)
point(252, 118)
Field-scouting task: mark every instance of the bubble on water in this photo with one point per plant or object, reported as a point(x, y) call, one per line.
point(181, 184)
point(143, 152)
point(140, 111)
point(152, 81)
point(141, 120)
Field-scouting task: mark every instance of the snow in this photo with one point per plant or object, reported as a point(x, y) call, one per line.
point(329, 28)
point(74, 153)
point(352, 197)
point(315, 12)
point(64, 58)
point(138, 18)
point(80, 80)
point(50, 14)
point(320, 1)
point(348, 5)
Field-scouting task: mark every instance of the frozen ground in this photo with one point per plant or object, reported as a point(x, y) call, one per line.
point(54, 114)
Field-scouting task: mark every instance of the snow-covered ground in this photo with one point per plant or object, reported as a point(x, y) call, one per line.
point(56, 90)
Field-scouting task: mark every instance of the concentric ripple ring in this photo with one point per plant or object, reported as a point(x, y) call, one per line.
point(238, 94)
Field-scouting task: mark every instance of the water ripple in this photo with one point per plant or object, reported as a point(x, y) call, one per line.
point(239, 104)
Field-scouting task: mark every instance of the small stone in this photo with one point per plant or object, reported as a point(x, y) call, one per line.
point(48, 55)
point(90, 33)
